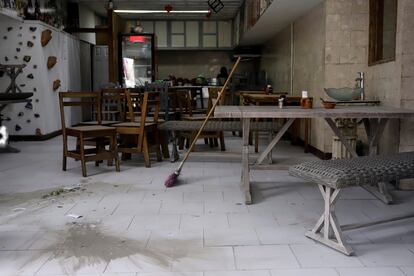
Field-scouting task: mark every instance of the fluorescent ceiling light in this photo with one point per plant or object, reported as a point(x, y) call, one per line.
point(159, 11)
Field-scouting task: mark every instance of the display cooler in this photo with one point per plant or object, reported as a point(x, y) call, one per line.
point(136, 59)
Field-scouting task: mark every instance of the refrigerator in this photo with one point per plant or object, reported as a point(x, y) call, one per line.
point(136, 59)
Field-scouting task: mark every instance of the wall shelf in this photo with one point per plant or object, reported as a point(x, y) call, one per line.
point(10, 14)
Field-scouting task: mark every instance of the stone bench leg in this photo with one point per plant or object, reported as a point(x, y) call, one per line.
point(327, 230)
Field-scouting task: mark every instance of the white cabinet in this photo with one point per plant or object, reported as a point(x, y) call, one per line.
point(224, 34)
point(161, 33)
point(192, 34)
point(175, 34)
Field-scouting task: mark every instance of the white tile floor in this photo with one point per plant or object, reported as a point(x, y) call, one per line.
point(132, 225)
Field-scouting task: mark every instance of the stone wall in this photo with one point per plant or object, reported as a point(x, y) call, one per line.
point(406, 15)
point(276, 60)
point(339, 29)
point(309, 65)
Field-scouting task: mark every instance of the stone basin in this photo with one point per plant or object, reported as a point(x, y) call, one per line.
point(344, 93)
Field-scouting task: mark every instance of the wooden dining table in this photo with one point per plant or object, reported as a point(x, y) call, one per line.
point(261, 99)
point(374, 118)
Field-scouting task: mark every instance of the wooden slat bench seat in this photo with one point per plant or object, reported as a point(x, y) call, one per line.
point(188, 126)
point(334, 175)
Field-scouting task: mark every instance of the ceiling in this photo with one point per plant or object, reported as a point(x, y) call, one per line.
point(228, 12)
point(277, 17)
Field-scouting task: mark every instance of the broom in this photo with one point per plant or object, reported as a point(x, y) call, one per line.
point(172, 178)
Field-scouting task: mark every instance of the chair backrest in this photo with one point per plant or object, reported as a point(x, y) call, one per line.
point(143, 104)
point(184, 101)
point(213, 95)
point(113, 104)
point(81, 99)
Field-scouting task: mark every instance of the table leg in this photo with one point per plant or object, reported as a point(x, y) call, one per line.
point(245, 177)
point(374, 129)
point(275, 140)
point(338, 133)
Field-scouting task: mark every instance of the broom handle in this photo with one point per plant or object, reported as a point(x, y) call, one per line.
point(209, 114)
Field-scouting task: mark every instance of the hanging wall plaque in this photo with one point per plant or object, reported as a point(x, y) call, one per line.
point(51, 61)
point(46, 37)
point(56, 85)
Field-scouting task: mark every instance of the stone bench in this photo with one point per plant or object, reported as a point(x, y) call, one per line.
point(334, 175)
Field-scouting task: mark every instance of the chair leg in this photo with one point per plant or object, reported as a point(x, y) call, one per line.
point(158, 146)
point(215, 142)
point(222, 145)
point(82, 154)
point(206, 141)
point(114, 148)
point(65, 148)
point(174, 151)
point(164, 144)
point(327, 230)
point(145, 151)
point(211, 142)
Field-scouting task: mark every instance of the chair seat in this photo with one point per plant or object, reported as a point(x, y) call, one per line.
point(104, 123)
point(90, 128)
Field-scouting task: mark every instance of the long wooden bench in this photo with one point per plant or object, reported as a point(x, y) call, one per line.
point(176, 126)
point(332, 176)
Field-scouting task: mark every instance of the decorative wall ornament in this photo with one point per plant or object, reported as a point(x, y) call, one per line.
point(28, 121)
point(38, 132)
point(18, 49)
point(7, 119)
point(17, 128)
point(34, 37)
point(27, 58)
point(32, 29)
point(20, 43)
point(34, 89)
point(34, 66)
point(6, 58)
point(51, 61)
point(37, 100)
point(19, 35)
point(16, 57)
point(36, 115)
point(20, 114)
point(5, 37)
point(56, 85)
point(30, 76)
point(9, 29)
point(46, 37)
point(22, 85)
point(30, 44)
point(29, 105)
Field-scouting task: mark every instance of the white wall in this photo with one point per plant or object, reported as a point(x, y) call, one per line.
point(45, 101)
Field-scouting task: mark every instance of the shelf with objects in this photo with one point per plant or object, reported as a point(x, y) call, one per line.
point(12, 95)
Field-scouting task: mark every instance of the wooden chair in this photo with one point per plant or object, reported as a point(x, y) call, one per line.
point(210, 137)
point(112, 107)
point(83, 133)
point(136, 136)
